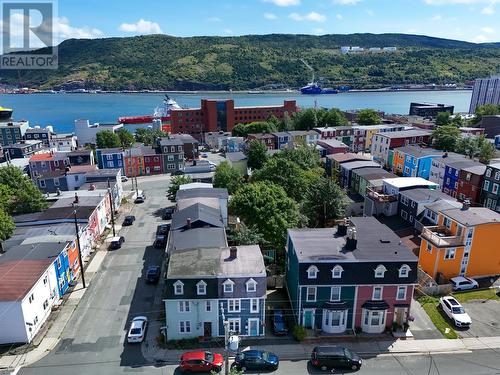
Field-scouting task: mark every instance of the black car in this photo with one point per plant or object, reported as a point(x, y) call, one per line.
point(129, 220)
point(279, 323)
point(332, 357)
point(167, 213)
point(116, 242)
point(160, 241)
point(163, 229)
point(257, 360)
point(153, 274)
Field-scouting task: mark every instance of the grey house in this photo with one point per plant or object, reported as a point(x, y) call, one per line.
point(172, 151)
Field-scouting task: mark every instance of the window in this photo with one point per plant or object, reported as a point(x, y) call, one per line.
point(447, 222)
point(404, 215)
point(377, 293)
point(468, 176)
point(335, 293)
point(45, 280)
point(45, 304)
point(171, 166)
point(201, 288)
point(488, 172)
point(254, 305)
point(497, 175)
point(312, 272)
point(109, 157)
point(407, 170)
point(184, 306)
point(450, 253)
point(58, 262)
point(380, 271)
point(110, 164)
point(172, 149)
point(311, 294)
point(233, 305)
point(404, 270)
point(208, 306)
point(56, 182)
point(234, 325)
point(494, 190)
point(401, 294)
point(178, 288)
point(170, 157)
point(337, 272)
point(185, 326)
point(31, 298)
point(251, 285)
point(228, 286)
point(42, 183)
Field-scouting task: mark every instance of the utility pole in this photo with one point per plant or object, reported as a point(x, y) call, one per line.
point(79, 249)
point(226, 340)
point(112, 209)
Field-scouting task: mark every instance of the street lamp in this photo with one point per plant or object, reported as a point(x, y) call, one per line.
point(79, 249)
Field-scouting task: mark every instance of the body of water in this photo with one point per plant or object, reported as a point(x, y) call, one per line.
point(60, 110)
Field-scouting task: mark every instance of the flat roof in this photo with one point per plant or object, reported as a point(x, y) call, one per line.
point(236, 156)
point(404, 182)
point(473, 215)
point(19, 277)
point(203, 193)
point(476, 169)
point(423, 194)
point(332, 143)
point(360, 164)
point(442, 205)
point(196, 238)
point(373, 173)
point(405, 133)
point(349, 156)
point(418, 151)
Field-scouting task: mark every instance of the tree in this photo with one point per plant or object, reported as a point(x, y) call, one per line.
point(107, 139)
point(126, 138)
point(227, 177)
point(443, 118)
point(323, 201)
point(445, 137)
point(149, 136)
point(6, 198)
point(232, 371)
point(368, 117)
point(267, 207)
point(467, 146)
point(486, 152)
point(306, 119)
point(242, 130)
point(257, 154)
point(333, 117)
point(486, 110)
point(26, 197)
point(474, 147)
point(306, 157)
point(7, 225)
point(174, 185)
point(458, 121)
point(245, 235)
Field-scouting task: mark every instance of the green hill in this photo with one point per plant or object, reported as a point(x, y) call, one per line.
point(253, 61)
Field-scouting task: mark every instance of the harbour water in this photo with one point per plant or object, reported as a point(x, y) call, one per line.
point(60, 110)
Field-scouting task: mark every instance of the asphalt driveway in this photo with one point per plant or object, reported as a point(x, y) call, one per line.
point(484, 315)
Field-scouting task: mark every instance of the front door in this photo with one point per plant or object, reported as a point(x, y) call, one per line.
point(399, 315)
point(308, 318)
point(253, 327)
point(207, 329)
point(148, 170)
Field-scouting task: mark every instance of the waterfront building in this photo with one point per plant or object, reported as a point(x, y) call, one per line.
point(12, 132)
point(63, 142)
point(429, 109)
point(39, 134)
point(86, 133)
point(485, 91)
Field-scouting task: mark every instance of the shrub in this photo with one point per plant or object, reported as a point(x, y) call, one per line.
point(299, 332)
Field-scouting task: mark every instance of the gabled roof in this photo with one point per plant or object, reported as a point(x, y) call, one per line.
point(18, 277)
point(236, 156)
point(199, 214)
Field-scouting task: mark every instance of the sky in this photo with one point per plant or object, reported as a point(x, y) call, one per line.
point(470, 20)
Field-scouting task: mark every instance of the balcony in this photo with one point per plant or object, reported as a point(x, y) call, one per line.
point(441, 236)
point(380, 197)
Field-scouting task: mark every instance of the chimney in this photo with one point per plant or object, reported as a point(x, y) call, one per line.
point(233, 252)
point(188, 222)
point(466, 204)
point(76, 198)
point(351, 240)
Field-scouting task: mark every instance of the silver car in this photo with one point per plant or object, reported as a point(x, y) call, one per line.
point(137, 331)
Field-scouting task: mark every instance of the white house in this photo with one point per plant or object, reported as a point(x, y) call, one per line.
point(63, 142)
point(86, 133)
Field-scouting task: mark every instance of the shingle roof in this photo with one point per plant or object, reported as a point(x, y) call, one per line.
point(236, 156)
point(197, 213)
point(196, 237)
point(59, 213)
point(476, 169)
point(360, 164)
point(418, 151)
point(203, 192)
point(424, 194)
point(170, 142)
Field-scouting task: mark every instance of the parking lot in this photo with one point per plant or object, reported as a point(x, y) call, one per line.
point(484, 315)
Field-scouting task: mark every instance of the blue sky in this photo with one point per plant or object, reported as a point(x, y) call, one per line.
point(471, 20)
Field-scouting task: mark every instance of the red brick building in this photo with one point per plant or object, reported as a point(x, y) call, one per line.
point(221, 115)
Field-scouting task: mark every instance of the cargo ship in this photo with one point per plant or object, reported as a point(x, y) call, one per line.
point(5, 113)
point(315, 89)
point(161, 112)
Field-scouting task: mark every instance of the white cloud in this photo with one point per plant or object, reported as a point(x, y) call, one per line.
point(437, 17)
point(213, 19)
point(448, 2)
point(312, 16)
point(346, 2)
point(270, 16)
point(283, 3)
point(488, 9)
point(141, 27)
point(339, 16)
point(488, 30)
point(227, 31)
point(481, 39)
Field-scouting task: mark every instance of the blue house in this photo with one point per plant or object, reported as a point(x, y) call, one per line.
point(414, 161)
point(50, 182)
point(110, 158)
point(63, 272)
point(281, 140)
point(452, 172)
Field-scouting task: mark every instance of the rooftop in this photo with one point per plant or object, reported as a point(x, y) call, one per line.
point(42, 157)
point(260, 135)
point(373, 173)
point(82, 168)
point(405, 182)
point(349, 156)
point(196, 238)
point(170, 142)
point(19, 277)
point(424, 194)
point(332, 143)
point(459, 164)
point(360, 164)
point(187, 202)
point(196, 212)
point(195, 185)
point(473, 215)
point(56, 214)
point(405, 133)
point(476, 169)
point(442, 205)
point(203, 192)
point(236, 156)
point(110, 150)
point(418, 151)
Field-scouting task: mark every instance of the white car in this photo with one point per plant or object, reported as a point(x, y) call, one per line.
point(124, 178)
point(463, 283)
point(137, 331)
point(455, 311)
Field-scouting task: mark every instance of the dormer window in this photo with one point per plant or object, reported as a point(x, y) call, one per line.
point(337, 272)
point(201, 287)
point(380, 271)
point(404, 271)
point(228, 286)
point(251, 285)
point(178, 288)
point(312, 272)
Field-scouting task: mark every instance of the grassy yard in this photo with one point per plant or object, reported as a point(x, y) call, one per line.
point(484, 294)
point(430, 305)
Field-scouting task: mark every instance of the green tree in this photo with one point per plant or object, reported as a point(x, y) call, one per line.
point(126, 138)
point(227, 177)
point(107, 139)
point(368, 117)
point(245, 235)
point(306, 119)
point(25, 195)
point(7, 225)
point(443, 118)
point(467, 146)
point(306, 157)
point(334, 117)
point(267, 207)
point(174, 185)
point(445, 137)
point(257, 154)
point(149, 136)
point(458, 121)
point(6, 198)
point(323, 201)
point(486, 110)
point(486, 150)
point(242, 130)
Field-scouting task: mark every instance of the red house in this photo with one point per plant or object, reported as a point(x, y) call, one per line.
point(152, 161)
point(267, 139)
point(470, 182)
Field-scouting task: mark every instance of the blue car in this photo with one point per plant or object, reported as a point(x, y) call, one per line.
point(279, 323)
point(256, 360)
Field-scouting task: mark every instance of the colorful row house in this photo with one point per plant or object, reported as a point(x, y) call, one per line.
point(355, 277)
point(452, 175)
point(491, 187)
point(414, 161)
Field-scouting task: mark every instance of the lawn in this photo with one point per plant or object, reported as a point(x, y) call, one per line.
point(484, 294)
point(430, 305)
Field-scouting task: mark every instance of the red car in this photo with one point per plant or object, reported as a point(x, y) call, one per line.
point(201, 362)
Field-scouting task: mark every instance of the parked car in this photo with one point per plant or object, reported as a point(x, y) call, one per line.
point(455, 311)
point(124, 178)
point(116, 242)
point(204, 155)
point(160, 241)
point(141, 197)
point(201, 362)
point(167, 213)
point(137, 331)
point(129, 220)
point(163, 229)
point(256, 360)
point(333, 357)
point(463, 283)
point(153, 274)
point(279, 323)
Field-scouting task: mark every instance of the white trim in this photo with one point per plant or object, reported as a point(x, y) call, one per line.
point(183, 306)
point(250, 282)
point(185, 331)
point(228, 282)
point(312, 272)
point(331, 292)
point(176, 284)
point(315, 293)
point(378, 269)
point(336, 268)
point(251, 305)
point(381, 293)
point(397, 292)
point(258, 326)
point(404, 267)
point(230, 320)
point(203, 284)
point(234, 305)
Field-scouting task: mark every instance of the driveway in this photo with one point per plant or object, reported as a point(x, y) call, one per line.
point(484, 315)
point(422, 327)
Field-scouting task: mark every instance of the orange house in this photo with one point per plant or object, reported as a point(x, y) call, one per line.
point(464, 243)
point(398, 162)
point(134, 162)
